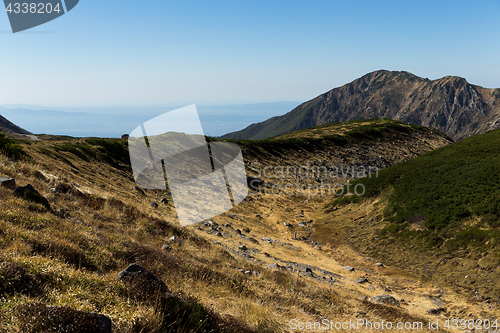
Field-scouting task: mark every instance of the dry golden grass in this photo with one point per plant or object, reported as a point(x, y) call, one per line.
point(100, 224)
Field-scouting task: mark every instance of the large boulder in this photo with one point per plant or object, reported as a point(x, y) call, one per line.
point(28, 192)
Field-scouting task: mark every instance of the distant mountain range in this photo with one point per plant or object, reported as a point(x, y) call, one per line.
point(450, 104)
point(92, 121)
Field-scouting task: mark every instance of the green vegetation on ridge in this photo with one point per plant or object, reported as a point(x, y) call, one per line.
point(337, 134)
point(443, 187)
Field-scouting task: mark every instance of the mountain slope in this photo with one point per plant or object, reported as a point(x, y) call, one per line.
point(9, 128)
point(449, 104)
point(443, 205)
point(99, 223)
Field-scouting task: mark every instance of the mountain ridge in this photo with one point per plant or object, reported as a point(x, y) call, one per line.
point(10, 128)
point(450, 104)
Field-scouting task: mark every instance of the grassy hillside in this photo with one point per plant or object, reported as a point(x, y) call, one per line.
point(98, 223)
point(335, 135)
point(445, 203)
point(445, 186)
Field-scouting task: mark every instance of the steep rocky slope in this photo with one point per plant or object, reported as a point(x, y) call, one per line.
point(450, 104)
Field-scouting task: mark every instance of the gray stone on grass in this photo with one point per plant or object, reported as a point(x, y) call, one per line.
point(253, 240)
point(384, 299)
point(175, 239)
point(7, 182)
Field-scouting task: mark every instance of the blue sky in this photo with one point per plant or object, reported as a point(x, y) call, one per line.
point(175, 53)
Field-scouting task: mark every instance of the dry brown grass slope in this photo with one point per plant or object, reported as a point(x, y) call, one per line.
point(99, 224)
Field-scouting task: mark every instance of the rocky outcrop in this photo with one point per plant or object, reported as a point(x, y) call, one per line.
point(28, 192)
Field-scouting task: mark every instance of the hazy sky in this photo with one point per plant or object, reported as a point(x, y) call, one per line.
point(162, 53)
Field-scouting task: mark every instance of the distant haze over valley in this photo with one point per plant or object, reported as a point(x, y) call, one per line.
point(115, 121)
point(450, 104)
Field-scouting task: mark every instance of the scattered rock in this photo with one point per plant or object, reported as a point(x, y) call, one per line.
point(154, 205)
point(246, 230)
point(361, 280)
point(384, 299)
point(300, 215)
point(238, 231)
point(166, 247)
point(287, 224)
point(175, 239)
point(437, 302)
point(139, 190)
point(435, 311)
point(253, 240)
point(218, 234)
point(243, 248)
point(379, 264)
point(28, 192)
point(349, 268)
point(267, 240)
point(164, 201)
point(7, 182)
point(276, 266)
point(258, 216)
